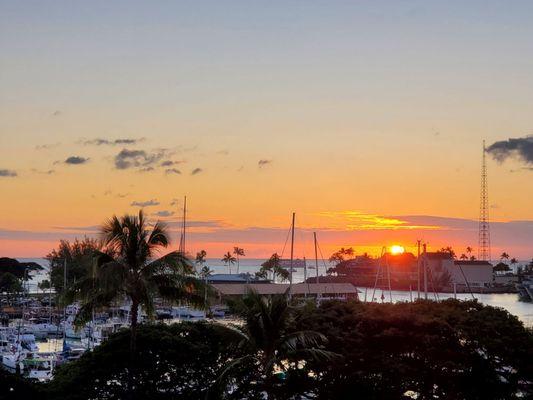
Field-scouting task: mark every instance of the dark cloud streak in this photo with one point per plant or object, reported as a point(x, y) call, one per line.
point(519, 148)
point(111, 142)
point(76, 160)
point(262, 163)
point(126, 158)
point(7, 173)
point(148, 203)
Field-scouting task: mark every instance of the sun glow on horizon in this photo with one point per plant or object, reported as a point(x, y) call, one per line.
point(397, 249)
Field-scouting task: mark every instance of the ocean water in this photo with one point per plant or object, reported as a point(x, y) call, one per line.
point(508, 301)
point(246, 265)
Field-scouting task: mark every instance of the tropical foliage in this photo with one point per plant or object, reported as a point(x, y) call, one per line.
point(239, 252)
point(179, 361)
point(342, 255)
point(10, 285)
point(424, 350)
point(20, 269)
point(229, 260)
point(272, 267)
point(273, 349)
point(76, 257)
point(127, 269)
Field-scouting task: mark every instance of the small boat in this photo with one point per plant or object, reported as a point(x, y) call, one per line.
point(42, 329)
point(12, 359)
point(98, 333)
point(187, 312)
point(70, 330)
point(525, 289)
point(40, 368)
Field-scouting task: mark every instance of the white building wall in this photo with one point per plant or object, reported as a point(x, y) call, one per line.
point(477, 275)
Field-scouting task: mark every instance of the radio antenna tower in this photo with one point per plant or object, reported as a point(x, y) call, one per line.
point(483, 252)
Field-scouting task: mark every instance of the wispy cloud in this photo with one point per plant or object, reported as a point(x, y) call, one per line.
point(46, 146)
point(76, 160)
point(146, 169)
point(127, 158)
point(196, 171)
point(264, 162)
point(148, 203)
point(172, 171)
point(169, 163)
point(355, 220)
point(90, 228)
point(7, 173)
point(43, 172)
point(111, 142)
point(519, 148)
point(163, 213)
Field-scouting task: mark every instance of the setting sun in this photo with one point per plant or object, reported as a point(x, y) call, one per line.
point(396, 249)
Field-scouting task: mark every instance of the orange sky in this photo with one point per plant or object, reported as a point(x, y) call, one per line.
point(355, 116)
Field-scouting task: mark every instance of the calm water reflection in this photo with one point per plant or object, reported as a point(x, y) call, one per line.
point(508, 301)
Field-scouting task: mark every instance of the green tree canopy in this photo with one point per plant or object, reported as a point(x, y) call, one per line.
point(178, 361)
point(78, 258)
point(425, 350)
point(127, 270)
point(10, 285)
point(17, 268)
point(273, 266)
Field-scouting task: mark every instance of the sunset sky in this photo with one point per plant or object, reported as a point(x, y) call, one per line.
point(366, 118)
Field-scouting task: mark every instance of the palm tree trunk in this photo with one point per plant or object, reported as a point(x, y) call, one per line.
point(134, 315)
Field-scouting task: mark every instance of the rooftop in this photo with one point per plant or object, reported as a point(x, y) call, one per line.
point(438, 255)
point(472, 262)
point(275, 288)
point(236, 278)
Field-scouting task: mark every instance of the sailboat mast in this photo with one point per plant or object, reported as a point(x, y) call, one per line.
point(316, 257)
point(64, 288)
point(292, 253)
point(184, 223)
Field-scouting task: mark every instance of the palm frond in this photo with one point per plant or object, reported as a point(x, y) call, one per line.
point(96, 301)
point(301, 339)
point(159, 236)
point(174, 262)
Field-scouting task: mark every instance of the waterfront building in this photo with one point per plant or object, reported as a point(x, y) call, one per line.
point(341, 291)
point(441, 266)
point(478, 273)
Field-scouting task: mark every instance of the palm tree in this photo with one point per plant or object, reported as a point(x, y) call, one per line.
point(128, 269)
point(239, 252)
point(448, 250)
point(349, 252)
point(268, 340)
point(228, 259)
point(273, 265)
point(205, 273)
point(200, 258)
point(469, 250)
point(463, 257)
point(504, 256)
